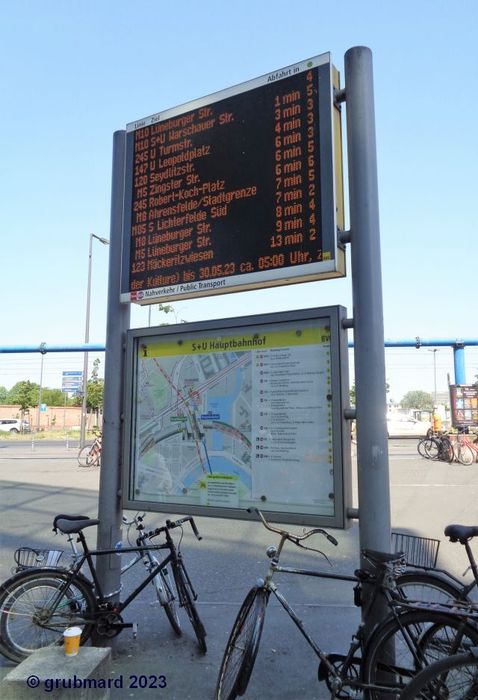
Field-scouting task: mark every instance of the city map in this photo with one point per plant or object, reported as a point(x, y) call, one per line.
point(236, 419)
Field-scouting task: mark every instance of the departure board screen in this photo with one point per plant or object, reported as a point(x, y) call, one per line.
point(235, 191)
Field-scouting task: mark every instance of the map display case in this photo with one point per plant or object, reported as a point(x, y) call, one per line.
point(229, 414)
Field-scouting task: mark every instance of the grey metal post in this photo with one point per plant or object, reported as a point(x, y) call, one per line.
point(84, 402)
point(118, 318)
point(84, 405)
point(372, 447)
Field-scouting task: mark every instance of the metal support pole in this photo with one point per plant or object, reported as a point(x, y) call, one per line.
point(42, 350)
point(459, 362)
point(434, 351)
point(84, 403)
point(372, 446)
point(84, 407)
point(118, 318)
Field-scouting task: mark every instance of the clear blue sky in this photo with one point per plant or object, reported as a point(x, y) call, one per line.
point(74, 72)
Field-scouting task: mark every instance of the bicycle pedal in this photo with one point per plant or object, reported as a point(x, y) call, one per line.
point(135, 630)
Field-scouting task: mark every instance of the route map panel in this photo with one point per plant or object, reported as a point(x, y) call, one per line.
point(238, 190)
point(228, 418)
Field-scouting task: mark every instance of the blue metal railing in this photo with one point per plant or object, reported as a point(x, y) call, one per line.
point(458, 345)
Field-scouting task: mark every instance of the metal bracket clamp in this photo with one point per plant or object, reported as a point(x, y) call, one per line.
point(344, 236)
point(339, 96)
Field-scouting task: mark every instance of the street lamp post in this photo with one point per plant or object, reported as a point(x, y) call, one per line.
point(42, 352)
point(434, 351)
point(105, 241)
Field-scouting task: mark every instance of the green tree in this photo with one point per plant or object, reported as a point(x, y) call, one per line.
point(352, 395)
point(53, 397)
point(24, 393)
point(3, 394)
point(421, 400)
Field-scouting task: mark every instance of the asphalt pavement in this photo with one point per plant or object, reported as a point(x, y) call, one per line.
point(41, 480)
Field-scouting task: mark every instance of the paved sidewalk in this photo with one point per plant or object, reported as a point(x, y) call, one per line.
point(36, 484)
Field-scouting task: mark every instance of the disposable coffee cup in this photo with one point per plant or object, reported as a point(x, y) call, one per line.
point(71, 640)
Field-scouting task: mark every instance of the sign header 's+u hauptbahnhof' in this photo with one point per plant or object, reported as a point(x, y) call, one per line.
point(238, 190)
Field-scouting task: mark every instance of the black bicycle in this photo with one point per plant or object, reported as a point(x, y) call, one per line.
point(37, 604)
point(436, 447)
point(418, 632)
point(436, 584)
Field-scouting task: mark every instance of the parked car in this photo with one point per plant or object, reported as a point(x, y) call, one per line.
point(400, 425)
point(10, 425)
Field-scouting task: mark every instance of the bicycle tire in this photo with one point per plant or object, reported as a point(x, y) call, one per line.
point(421, 447)
point(450, 635)
point(85, 458)
point(454, 678)
point(464, 455)
point(447, 452)
point(169, 602)
point(242, 647)
point(432, 448)
point(186, 601)
point(26, 596)
point(429, 587)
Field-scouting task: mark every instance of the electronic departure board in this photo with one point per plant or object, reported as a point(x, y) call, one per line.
point(238, 190)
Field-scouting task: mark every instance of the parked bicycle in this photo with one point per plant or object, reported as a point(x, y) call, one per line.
point(436, 447)
point(452, 678)
point(90, 455)
point(465, 450)
point(37, 604)
point(419, 632)
point(421, 554)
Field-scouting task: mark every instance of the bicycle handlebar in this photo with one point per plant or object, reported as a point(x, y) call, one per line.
point(171, 524)
point(289, 535)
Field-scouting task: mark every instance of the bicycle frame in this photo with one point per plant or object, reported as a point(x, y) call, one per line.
point(357, 639)
point(173, 558)
point(267, 584)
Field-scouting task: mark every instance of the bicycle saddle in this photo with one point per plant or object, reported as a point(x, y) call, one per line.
point(69, 524)
point(461, 532)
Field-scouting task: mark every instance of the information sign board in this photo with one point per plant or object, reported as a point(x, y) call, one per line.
point(225, 415)
point(464, 405)
point(72, 381)
point(238, 190)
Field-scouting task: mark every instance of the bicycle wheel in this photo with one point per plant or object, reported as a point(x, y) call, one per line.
point(34, 615)
point(242, 646)
point(432, 448)
point(446, 450)
point(464, 455)
point(167, 599)
point(418, 639)
point(452, 678)
point(421, 447)
point(429, 587)
point(186, 600)
point(85, 458)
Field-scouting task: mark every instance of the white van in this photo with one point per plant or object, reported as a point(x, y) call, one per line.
point(399, 425)
point(10, 425)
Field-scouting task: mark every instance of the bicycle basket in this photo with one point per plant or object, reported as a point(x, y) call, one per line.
point(29, 558)
point(419, 551)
